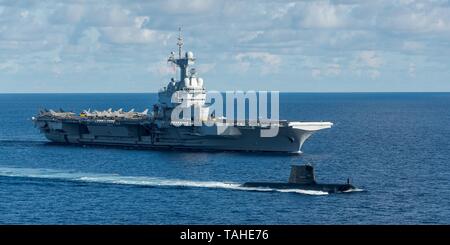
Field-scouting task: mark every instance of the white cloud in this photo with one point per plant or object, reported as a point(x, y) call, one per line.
point(90, 39)
point(333, 69)
point(280, 12)
point(24, 14)
point(374, 73)
point(190, 7)
point(429, 18)
point(134, 33)
point(9, 66)
point(370, 58)
point(57, 71)
point(323, 14)
point(74, 13)
point(256, 37)
point(412, 46)
point(140, 21)
point(162, 68)
point(270, 62)
point(267, 58)
point(206, 67)
point(241, 66)
point(368, 63)
point(315, 72)
point(247, 36)
point(412, 69)
point(330, 70)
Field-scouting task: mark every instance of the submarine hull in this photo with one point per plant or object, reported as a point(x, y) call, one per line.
point(329, 188)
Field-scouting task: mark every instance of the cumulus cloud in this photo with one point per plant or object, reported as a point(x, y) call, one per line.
point(412, 69)
point(300, 38)
point(206, 67)
point(9, 66)
point(370, 58)
point(270, 62)
point(323, 14)
point(281, 11)
point(420, 17)
point(247, 36)
point(315, 72)
point(374, 73)
point(412, 46)
point(132, 35)
point(333, 69)
point(192, 7)
point(367, 63)
point(329, 70)
point(162, 68)
point(74, 12)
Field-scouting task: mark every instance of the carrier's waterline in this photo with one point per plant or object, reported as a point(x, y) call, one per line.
point(158, 129)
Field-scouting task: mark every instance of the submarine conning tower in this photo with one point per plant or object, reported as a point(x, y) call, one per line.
point(302, 174)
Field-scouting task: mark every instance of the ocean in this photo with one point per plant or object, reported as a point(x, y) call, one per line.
point(394, 146)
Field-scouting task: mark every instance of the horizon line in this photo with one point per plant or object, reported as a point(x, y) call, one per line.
point(284, 92)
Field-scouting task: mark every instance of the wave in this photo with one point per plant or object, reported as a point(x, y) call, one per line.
point(52, 174)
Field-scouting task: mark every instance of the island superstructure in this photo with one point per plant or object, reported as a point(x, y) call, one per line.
point(158, 130)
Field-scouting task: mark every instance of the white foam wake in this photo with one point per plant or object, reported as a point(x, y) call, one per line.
point(40, 173)
point(354, 190)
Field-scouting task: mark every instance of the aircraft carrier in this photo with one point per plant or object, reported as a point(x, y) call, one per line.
point(156, 129)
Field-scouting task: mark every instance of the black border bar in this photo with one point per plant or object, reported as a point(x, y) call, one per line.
point(276, 233)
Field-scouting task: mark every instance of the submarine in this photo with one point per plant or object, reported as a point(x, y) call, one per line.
point(302, 177)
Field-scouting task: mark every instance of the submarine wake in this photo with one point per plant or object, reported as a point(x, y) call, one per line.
point(354, 190)
point(73, 176)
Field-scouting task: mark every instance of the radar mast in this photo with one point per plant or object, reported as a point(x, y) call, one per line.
point(180, 42)
point(182, 61)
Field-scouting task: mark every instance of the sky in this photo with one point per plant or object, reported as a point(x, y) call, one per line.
point(75, 46)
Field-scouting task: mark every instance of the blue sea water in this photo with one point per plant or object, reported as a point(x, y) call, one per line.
point(395, 146)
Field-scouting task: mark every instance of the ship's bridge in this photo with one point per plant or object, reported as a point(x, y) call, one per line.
point(188, 91)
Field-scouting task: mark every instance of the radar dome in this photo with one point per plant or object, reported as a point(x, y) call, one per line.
point(189, 55)
point(200, 82)
point(193, 82)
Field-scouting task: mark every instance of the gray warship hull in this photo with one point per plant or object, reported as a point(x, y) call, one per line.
point(144, 134)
